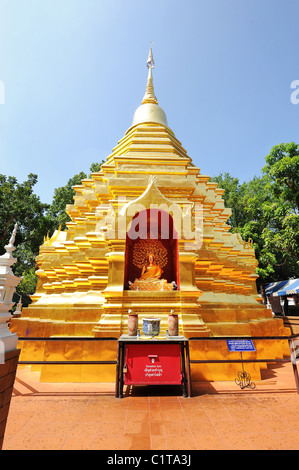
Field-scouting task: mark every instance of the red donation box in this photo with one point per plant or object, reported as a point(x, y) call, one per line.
point(153, 364)
point(162, 361)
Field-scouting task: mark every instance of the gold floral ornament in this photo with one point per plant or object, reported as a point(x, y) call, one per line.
point(143, 248)
point(49, 241)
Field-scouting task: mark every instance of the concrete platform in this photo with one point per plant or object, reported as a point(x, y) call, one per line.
point(219, 415)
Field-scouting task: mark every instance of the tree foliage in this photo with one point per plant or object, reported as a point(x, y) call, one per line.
point(36, 220)
point(282, 167)
point(62, 196)
point(266, 210)
point(65, 195)
point(18, 203)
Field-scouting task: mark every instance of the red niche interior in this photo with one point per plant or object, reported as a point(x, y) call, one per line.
point(153, 224)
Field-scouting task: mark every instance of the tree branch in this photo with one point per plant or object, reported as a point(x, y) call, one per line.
point(6, 227)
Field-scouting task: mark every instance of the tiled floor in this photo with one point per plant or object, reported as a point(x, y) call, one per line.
point(218, 416)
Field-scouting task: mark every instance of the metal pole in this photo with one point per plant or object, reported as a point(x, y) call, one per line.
point(294, 364)
point(188, 368)
point(117, 372)
point(242, 362)
point(183, 369)
point(122, 362)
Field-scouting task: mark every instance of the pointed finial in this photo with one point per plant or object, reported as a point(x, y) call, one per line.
point(13, 235)
point(149, 96)
point(10, 247)
point(150, 60)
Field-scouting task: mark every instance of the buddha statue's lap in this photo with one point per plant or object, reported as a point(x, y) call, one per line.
point(152, 272)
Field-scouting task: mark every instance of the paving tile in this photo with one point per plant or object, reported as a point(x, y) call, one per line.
point(89, 415)
point(158, 442)
point(291, 424)
point(156, 415)
point(114, 416)
point(111, 428)
point(169, 399)
point(152, 399)
point(209, 442)
point(15, 424)
point(217, 416)
point(26, 437)
point(52, 438)
point(251, 426)
point(176, 428)
point(155, 407)
point(274, 425)
point(22, 442)
point(267, 441)
point(157, 428)
point(135, 442)
point(141, 406)
point(80, 436)
point(237, 441)
point(196, 415)
point(77, 443)
point(177, 415)
point(201, 427)
point(137, 427)
point(192, 405)
point(228, 427)
point(138, 400)
point(138, 415)
point(107, 443)
point(288, 440)
point(180, 442)
point(172, 405)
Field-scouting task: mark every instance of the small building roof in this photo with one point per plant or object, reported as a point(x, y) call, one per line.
point(289, 287)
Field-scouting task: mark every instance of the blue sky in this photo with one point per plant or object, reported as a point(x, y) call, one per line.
point(74, 72)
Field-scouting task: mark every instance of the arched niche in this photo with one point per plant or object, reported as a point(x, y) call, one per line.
point(152, 229)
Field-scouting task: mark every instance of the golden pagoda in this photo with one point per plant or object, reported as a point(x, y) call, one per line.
point(149, 201)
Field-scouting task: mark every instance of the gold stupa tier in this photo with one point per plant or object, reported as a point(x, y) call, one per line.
point(85, 273)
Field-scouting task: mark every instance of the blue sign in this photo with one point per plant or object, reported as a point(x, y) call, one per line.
point(240, 345)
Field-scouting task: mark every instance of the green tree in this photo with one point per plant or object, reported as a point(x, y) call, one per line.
point(265, 210)
point(282, 167)
point(62, 196)
point(281, 234)
point(245, 200)
point(94, 167)
point(65, 195)
point(18, 203)
point(232, 197)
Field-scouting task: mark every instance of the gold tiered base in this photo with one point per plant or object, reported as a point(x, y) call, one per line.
point(199, 350)
point(239, 321)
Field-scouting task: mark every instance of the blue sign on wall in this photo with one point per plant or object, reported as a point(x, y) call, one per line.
point(240, 345)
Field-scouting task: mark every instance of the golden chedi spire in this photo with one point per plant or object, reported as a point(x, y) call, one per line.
point(149, 96)
point(150, 111)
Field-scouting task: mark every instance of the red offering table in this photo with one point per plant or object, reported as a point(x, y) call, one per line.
point(153, 362)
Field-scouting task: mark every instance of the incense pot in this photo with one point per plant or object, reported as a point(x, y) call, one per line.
point(151, 326)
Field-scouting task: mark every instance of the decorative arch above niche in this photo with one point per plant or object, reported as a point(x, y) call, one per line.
point(152, 198)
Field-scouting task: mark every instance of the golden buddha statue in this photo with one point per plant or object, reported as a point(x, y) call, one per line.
point(150, 278)
point(150, 271)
